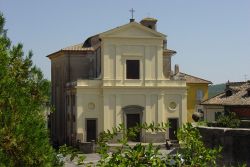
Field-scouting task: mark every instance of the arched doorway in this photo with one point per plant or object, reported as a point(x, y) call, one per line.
point(133, 116)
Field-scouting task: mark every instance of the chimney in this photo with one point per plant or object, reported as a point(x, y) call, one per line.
point(227, 84)
point(149, 22)
point(176, 69)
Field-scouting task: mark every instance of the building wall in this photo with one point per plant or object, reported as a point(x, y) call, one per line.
point(148, 51)
point(109, 103)
point(59, 77)
point(210, 110)
point(241, 111)
point(192, 102)
point(66, 67)
point(167, 66)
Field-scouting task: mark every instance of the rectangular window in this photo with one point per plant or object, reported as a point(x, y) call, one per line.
point(217, 115)
point(199, 95)
point(133, 69)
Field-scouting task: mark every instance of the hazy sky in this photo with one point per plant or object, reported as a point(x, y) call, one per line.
point(211, 37)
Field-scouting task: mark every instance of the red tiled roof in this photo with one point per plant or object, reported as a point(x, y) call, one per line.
point(193, 79)
point(239, 95)
point(78, 47)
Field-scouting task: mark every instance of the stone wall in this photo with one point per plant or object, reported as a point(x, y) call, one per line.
point(158, 137)
point(87, 147)
point(235, 143)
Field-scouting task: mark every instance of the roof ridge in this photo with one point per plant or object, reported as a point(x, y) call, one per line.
point(213, 96)
point(196, 77)
point(73, 46)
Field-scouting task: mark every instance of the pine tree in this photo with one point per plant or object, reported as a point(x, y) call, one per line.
point(24, 138)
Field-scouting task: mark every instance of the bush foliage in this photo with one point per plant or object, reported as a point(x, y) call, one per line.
point(193, 149)
point(226, 120)
point(229, 120)
point(192, 153)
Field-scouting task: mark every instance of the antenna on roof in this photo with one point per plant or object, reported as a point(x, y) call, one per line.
point(132, 15)
point(245, 77)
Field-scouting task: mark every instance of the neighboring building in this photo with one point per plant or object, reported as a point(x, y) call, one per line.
point(120, 76)
point(235, 98)
point(197, 91)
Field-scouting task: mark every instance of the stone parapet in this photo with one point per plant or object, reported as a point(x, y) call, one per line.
point(234, 141)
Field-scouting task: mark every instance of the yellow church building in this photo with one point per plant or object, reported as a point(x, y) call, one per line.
point(119, 76)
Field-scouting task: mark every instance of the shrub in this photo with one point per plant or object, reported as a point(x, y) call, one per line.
point(229, 120)
point(129, 156)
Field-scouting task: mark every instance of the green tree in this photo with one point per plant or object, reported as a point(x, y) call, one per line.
point(193, 152)
point(24, 138)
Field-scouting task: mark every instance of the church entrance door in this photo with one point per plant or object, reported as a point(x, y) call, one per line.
point(132, 121)
point(173, 122)
point(91, 130)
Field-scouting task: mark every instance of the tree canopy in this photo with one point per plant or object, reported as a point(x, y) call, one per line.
point(24, 137)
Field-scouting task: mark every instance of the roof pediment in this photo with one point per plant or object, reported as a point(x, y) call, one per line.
point(133, 30)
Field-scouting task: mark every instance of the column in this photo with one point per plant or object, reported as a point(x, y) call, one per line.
point(160, 108)
point(148, 110)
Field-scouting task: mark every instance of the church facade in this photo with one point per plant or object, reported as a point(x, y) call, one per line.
point(120, 76)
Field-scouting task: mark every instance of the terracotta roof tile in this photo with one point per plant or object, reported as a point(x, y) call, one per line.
point(239, 95)
point(193, 79)
point(78, 47)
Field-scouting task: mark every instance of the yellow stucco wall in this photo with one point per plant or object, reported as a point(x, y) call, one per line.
point(192, 103)
point(109, 103)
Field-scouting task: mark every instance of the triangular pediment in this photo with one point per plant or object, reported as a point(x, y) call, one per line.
point(133, 30)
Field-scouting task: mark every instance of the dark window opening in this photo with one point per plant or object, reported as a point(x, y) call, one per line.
point(248, 92)
point(133, 69)
point(229, 93)
point(150, 27)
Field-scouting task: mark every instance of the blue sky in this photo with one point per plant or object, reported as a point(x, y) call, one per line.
point(212, 38)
